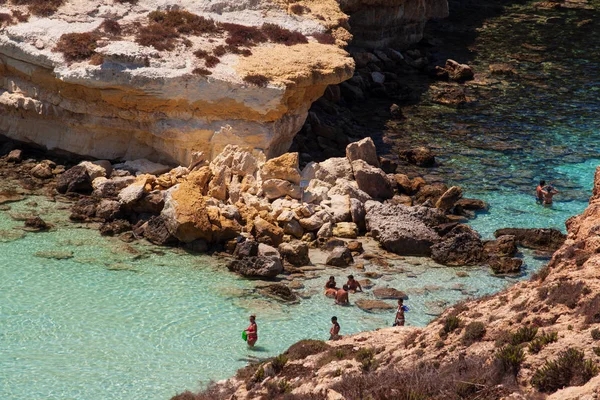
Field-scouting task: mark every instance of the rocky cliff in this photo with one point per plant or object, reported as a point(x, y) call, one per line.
point(391, 23)
point(164, 79)
point(537, 339)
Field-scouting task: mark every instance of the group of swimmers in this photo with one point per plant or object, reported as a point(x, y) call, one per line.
point(341, 294)
point(544, 193)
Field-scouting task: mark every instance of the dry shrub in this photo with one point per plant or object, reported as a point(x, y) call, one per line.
point(211, 61)
point(5, 19)
point(256, 80)
point(305, 348)
point(468, 378)
point(20, 16)
point(157, 36)
point(567, 293)
point(77, 46)
point(473, 333)
point(134, 2)
point(240, 35)
point(97, 59)
point(183, 22)
point(277, 34)
point(237, 50)
point(220, 51)
point(200, 53)
point(212, 392)
point(41, 8)
point(410, 339)
point(324, 38)
point(111, 26)
point(299, 9)
point(569, 369)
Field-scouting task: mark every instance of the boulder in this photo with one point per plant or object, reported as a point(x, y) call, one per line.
point(217, 188)
point(115, 227)
point(15, 156)
point(338, 208)
point(108, 210)
point(293, 228)
point(372, 180)
point(389, 293)
point(132, 193)
point(295, 253)
point(42, 171)
point(75, 180)
point(246, 248)
point(420, 156)
point(285, 167)
point(144, 166)
point(185, 214)
point(404, 230)
point(157, 232)
point(150, 203)
point(358, 213)
point(430, 193)
point(363, 150)
point(238, 160)
point(279, 291)
point(373, 305)
point(505, 265)
point(347, 230)
point(36, 224)
point(104, 187)
point(333, 169)
point(276, 188)
point(461, 246)
point(256, 267)
point(315, 221)
point(537, 239)
point(472, 204)
point(84, 209)
point(401, 199)
point(388, 165)
point(404, 184)
point(340, 257)
point(503, 246)
point(355, 246)
point(266, 232)
point(449, 198)
point(326, 231)
point(316, 192)
point(458, 72)
point(344, 187)
point(97, 169)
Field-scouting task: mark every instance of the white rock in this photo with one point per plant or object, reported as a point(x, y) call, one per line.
point(144, 166)
point(334, 168)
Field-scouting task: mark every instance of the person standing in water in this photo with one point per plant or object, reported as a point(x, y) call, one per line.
point(400, 313)
point(252, 331)
point(341, 296)
point(548, 191)
point(539, 191)
point(331, 287)
point(353, 284)
point(334, 332)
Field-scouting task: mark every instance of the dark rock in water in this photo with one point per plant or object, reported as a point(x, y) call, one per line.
point(430, 193)
point(295, 253)
point(84, 209)
point(74, 180)
point(449, 198)
point(156, 231)
point(256, 267)
point(197, 246)
point(247, 248)
point(388, 165)
point(280, 292)
point(472, 204)
point(7, 196)
point(458, 72)
point(340, 257)
point(461, 246)
point(535, 238)
point(55, 255)
point(420, 156)
point(373, 305)
point(36, 224)
point(503, 246)
point(396, 111)
point(405, 230)
point(332, 243)
point(389, 293)
point(455, 96)
point(505, 265)
point(115, 227)
point(108, 210)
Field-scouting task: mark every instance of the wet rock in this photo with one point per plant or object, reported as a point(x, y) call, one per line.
point(108, 209)
point(347, 230)
point(54, 255)
point(156, 231)
point(503, 246)
point(279, 291)
point(74, 180)
point(458, 72)
point(15, 156)
point(449, 198)
point(36, 224)
point(372, 180)
point(396, 111)
point(266, 232)
point(355, 246)
point(104, 187)
point(537, 239)
point(420, 156)
point(472, 204)
point(502, 69)
point(295, 253)
point(404, 230)
point(8, 196)
point(388, 165)
point(505, 265)
point(461, 246)
point(285, 167)
point(246, 248)
point(197, 246)
point(115, 227)
point(42, 171)
point(454, 96)
point(430, 193)
point(340, 257)
point(256, 267)
point(404, 184)
point(389, 293)
point(373, 305)
point(363, 150)
point(84, 209)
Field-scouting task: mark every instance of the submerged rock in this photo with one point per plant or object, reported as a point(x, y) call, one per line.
point(505, 265)
point(36, 224)
point(8, 196)
point(537, 239)
point(503, 246)
point(256, 267)
point(389, 293)
point(420, 156)
point(55, 255)
point(461, 246)
point(279, 292)
point(373, 305)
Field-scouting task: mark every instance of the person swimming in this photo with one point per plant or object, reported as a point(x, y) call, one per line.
point(353, 284)
point(331, 283)
point(539, 191)
point(334, 332)
point(548, 191)
point(252, 331)
point(341, 297)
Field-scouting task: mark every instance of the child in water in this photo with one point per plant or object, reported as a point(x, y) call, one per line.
point(252, 331)
point(334, 332)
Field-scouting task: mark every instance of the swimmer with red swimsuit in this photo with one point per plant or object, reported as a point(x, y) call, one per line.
point(252, 331)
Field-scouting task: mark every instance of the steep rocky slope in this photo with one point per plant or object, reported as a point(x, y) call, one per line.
point(538, 339)
point(112, 79)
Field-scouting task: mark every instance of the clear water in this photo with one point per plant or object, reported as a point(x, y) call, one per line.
point(121, 321)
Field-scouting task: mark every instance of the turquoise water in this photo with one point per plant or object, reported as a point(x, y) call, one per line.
point(118, 321)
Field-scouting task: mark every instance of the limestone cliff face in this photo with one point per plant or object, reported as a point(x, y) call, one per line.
point(133, 101)
point(391, 23)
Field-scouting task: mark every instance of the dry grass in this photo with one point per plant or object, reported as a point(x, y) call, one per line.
point(201, 72)
point(5, 19)
point(324, 38)
point(41, 8)
point(277, 34)
point(77, 46)
point(183, 22)
point(256, 80)
point(19, 16)
point(157, 36)
point(246, 36)
point(111, 26)
point(211, 61)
